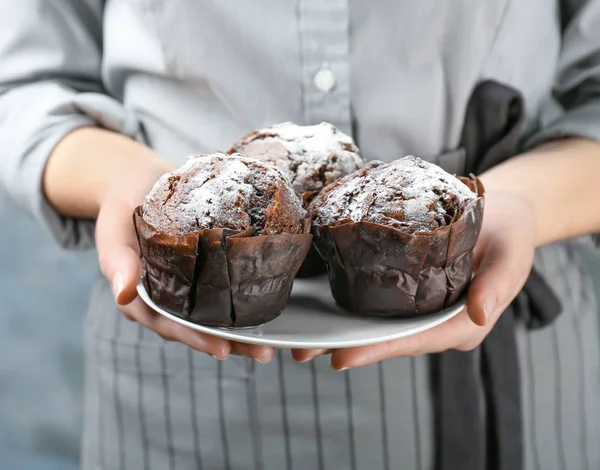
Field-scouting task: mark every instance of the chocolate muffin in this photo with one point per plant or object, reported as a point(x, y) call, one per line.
point(398, 238)
point(312, 157)
point(222, 238)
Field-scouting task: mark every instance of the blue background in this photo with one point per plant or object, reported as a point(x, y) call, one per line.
point(44, 293)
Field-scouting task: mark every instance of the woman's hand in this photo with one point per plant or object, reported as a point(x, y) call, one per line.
point(538, 197)
point(111, 187)
point(503, 261)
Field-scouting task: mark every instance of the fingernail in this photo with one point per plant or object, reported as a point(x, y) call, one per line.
point(219, 358)
point(488, 309)
point(338, 369)
point(316, 353)
point(117, 285)
point(267, 359)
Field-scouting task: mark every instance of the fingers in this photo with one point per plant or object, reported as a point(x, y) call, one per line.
point(118, 249)
point(305, 355)
point(262, 354)
point(457, 333)
point(504, 267)
point(454, 333)
point(169, 330)
point(172, 331)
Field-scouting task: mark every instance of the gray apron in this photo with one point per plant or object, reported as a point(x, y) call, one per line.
point(156, 405)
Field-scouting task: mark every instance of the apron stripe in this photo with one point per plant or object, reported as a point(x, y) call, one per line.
point(194, 409)
point(581, 392)
point(255, 432)
point(166, 402)
point(101, 412)
point(118, 411)
point(383, 412)
point(529, 457)
point(317, 413)
point(350, 420)
point(532, 417)
point(140, 390)
point(543, 421)
point(558, 393)
point(415, 403)
point(226, 458)
point(284, 415)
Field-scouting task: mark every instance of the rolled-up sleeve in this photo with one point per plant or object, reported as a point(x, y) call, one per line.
point(575, 108)
point(50, 84)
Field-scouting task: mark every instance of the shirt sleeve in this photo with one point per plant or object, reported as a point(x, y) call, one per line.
point(50, 56)
point(575, 107)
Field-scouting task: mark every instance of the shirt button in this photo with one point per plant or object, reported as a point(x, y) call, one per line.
point(324, 80)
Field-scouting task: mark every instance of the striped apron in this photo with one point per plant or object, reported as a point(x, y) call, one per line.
point(151, 404)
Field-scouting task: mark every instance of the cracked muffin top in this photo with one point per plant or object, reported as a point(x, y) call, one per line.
point(224, 191)
point(311, 157)
point(408, 194)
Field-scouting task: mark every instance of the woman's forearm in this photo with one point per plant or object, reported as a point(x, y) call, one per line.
point(87, 162)
point(560, 181)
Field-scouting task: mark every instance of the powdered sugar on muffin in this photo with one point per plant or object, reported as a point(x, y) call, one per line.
point(311, 156)
point(408, 194)
point(224, 191)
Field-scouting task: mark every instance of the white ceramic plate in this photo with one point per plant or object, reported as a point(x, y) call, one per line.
point(313, 320)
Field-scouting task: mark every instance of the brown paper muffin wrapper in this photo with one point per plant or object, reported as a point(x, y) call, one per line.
point(377, 270)
point(220, 277)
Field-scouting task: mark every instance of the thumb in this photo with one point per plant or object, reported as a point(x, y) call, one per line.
point(505, 265)
point(118, 249)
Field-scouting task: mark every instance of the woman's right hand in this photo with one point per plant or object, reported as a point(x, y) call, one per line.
point(125, 174)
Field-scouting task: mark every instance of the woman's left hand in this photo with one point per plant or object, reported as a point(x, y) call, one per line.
point(503, 261)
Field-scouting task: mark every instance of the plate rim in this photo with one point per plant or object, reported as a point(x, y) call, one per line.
point(225, 333)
